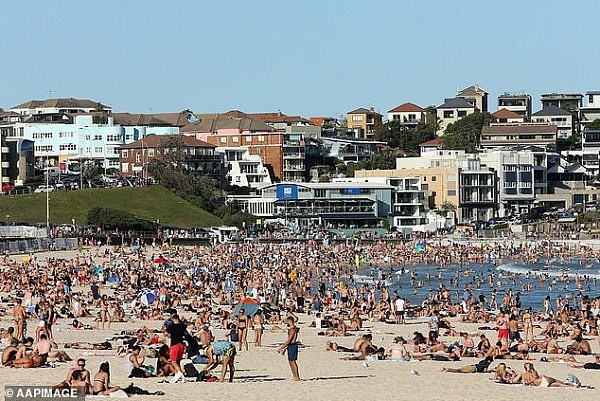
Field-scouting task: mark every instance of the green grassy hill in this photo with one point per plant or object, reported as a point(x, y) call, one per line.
point(149, 203)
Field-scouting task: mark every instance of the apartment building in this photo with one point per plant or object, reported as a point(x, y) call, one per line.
point(364, 122)
point(566, 101)
point(502, 135)
point(562, 119)
point(453, 110)
point(60, 106)
point(476, 96)
point(242, 168)
point(591, 110)
point(519, 178)
point(197, 155)
point(517, 103)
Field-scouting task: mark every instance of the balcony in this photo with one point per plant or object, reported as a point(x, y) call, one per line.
point(294, 156)
point(5, 149)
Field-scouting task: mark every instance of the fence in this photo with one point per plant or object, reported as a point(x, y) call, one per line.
point(22, 232)
point(38, 244)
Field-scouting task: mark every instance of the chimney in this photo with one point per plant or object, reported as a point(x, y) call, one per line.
point(372, 108)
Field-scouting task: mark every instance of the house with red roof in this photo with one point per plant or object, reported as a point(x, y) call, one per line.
point(407, 113)
point(431, 145)
point(507, 116)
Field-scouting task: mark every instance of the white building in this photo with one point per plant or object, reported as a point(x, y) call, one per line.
point(244, 169)
point(76, 137)
point(60, 106)
point(591, 110)
point(562, 119)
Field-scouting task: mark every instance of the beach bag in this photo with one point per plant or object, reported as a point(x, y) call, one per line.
point(572, 380)
point(190, 370)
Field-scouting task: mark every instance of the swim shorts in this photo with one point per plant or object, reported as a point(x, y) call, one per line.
point(292, 352)
point(503, 333)
point(176, 352)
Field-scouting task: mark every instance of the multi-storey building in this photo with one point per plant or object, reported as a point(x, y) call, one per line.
point(60, 106)
point(407, 114)
point(196, 155)
point(243, 168)
point(453, 110)
point(453, 179)
point(341, 204)
point(591, 110)
point(64, 139)
point(364, 122)
point(476, 96)
point(502, 135)
point(562, 119)
point(566, 101)
point(517, 171)
point(517, 103)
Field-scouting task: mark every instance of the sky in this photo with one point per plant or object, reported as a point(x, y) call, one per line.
point(309, 57)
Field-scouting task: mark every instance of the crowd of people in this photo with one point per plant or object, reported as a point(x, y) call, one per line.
point(188, 291)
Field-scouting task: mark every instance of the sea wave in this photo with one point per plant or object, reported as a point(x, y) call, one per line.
point(550, 271)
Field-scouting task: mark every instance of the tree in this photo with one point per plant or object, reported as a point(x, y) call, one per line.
point(464, 134)
point(407, 138)
point(172, 172)
point(594, 124)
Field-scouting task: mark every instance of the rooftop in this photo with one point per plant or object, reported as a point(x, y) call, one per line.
point(506, 114)
point(154, 141)
point(456, 103)
point(68, 103)
point(549, 111)
point(406, 108)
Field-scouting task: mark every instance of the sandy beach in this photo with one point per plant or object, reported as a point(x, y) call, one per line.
point(263, 374)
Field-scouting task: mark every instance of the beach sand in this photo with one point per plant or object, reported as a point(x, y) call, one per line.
point(263, 374)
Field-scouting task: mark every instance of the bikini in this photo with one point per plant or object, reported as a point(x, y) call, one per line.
point(96, 392)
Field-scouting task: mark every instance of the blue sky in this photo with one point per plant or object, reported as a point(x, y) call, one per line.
point(303, 57)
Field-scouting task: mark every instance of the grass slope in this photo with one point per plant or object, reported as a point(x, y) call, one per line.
point(149, 203)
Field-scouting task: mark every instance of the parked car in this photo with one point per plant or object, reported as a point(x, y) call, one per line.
point(44, 188)
point(7, 186)
point(20, 189)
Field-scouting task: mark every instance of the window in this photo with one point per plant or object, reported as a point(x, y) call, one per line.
point(223, 139)
point(433, 193)
point(434, 178)
point(451, 177)
point(67, 147)
point(125, 167)
point(261, 138)
point(248, 139)
point(452, 192)
point(357, 118)
point(97, 137)
point(424, 179)
point(125, 153)
point(151, 152)
point(138, 158)
point(462, 114)
point(448, 113)
point(235, 139)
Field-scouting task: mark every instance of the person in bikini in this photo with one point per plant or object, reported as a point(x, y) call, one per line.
point(242, 328)
point(101, 385)
point(19, 318)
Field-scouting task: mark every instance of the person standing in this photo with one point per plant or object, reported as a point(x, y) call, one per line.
point(19, 317)
point(242, 328)
point(399, 304)
point(291, 346)
point(176, 331)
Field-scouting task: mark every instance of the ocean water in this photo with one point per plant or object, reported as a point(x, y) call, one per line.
point(532, 282)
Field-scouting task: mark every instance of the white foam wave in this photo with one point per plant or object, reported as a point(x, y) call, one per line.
point(547, 271)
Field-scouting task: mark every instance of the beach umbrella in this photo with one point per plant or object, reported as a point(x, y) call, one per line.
point(147, 297)
point(250, 306)
point(160, 260)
